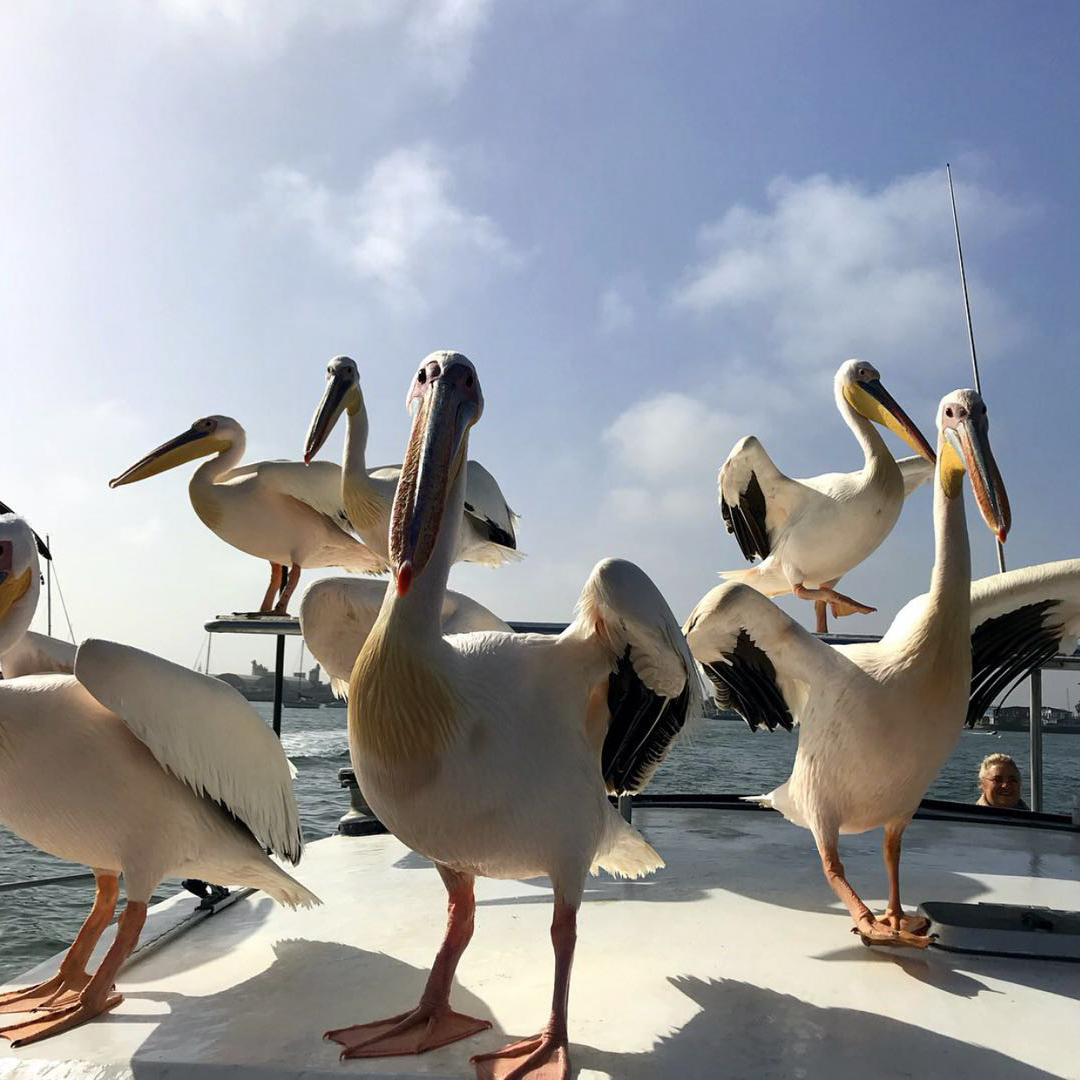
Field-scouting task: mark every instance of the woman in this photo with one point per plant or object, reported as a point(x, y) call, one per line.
point(999, 780)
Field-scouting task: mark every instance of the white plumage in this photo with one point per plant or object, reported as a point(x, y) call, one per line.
point(494, 753)
point(137, 766)
point(37, 654)
point(283, 511)
point(487, 526)
point(877, 720)
point(337, 614)
point(809, 533)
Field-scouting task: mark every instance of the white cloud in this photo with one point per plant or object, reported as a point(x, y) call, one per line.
point(616, 311)
point(664, 451)
point(834, 269)
point(437, 36)
point(399, 229)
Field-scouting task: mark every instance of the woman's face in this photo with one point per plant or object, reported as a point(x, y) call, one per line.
point(1001, 785)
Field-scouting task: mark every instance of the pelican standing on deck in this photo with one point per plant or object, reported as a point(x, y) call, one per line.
point(493, 753)
point(164, 773)
point(809, 533)
point(877, 720)
point(487, 526)
point(282, 511)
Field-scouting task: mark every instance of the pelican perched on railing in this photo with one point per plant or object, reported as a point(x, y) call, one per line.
point(487, 528)
point(493, 753)
point(809, 533)
point(133, 766)
point(337, 614)
point(287, 513)
point(877, 720)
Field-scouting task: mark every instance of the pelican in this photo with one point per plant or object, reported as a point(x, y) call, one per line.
point(287, 513)
point(22, 651)
point(494, 753)
point(337, 614)
point(487, 528)
point(165, 773)
point(877, 720)
point(809, 533)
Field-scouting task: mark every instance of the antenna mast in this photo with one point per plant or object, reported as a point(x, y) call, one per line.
point(48, 588)
point(970, 330)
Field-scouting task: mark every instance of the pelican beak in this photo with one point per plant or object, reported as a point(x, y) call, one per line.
point(334, 401)
point(190, 445)
point(970, 439)
point(435, 453)
point(12, 589)
point(873, 401)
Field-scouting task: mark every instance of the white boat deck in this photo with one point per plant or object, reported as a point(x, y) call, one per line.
point(734, 961)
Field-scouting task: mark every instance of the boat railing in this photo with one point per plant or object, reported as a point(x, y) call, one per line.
point(282, 626)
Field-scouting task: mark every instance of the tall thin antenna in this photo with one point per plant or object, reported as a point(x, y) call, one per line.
point(970, 329)
point(48, 588)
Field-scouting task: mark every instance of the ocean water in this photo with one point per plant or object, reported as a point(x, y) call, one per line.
point(721, 756)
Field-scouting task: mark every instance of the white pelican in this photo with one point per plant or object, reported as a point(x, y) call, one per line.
point(494, 753)
point(287, 513)
point(808, 533)
point(487, 528)
point(134, 765)
point(337, 614)
point(877, 720)
point(23, 652)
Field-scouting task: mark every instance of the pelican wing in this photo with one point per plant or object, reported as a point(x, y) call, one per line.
point(203, 732)
point(915, 470)
point(758, 659)
point(756, 498)
point(654, 686)
point(337, 614)
point(488, 517)
point(38, 654)
point(1019, 620)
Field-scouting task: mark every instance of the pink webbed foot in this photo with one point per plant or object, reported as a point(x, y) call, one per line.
point(918, 925)
point(413, 1032)
point(543, 1057)
point(57, 1020)
point(53, 993)
point(878, 932)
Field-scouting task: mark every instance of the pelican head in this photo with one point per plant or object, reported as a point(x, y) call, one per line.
point(446, 401)
point(19, 581)
point(964, 446)
point(209, 435)
point(342, 392)
point(860, 385)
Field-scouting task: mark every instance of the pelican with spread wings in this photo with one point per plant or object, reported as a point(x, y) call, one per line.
point(809, 533)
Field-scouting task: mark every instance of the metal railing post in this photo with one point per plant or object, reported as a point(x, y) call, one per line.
point(1035, 731)
point(279, 683)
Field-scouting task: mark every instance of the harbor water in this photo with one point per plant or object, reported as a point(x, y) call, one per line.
point(719, 756)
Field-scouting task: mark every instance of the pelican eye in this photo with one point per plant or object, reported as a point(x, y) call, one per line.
point(421, 376)
point(948, 411)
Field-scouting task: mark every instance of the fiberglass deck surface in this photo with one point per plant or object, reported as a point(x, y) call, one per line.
point(734, 961)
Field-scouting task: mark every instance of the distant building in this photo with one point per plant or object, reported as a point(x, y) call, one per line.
point(297, 688)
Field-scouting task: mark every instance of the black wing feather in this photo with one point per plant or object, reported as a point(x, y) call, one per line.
point(492, 531)
point(747, 520)
point(1008, 647)
point(643, 726)
point(745, 680)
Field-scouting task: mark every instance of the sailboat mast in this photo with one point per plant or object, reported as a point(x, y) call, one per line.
point(48, 588)
point(970, 329)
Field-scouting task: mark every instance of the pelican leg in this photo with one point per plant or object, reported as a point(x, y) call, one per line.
point(894, 917)
point(545, 1056)
point(867, 927)
point(287, 589)
point(97, 997)
point(838, 603)
point(821, 619)
point(273, 588)
point(432, 1023)
point(71, 977)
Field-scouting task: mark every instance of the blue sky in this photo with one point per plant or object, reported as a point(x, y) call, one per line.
point(654, 228)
